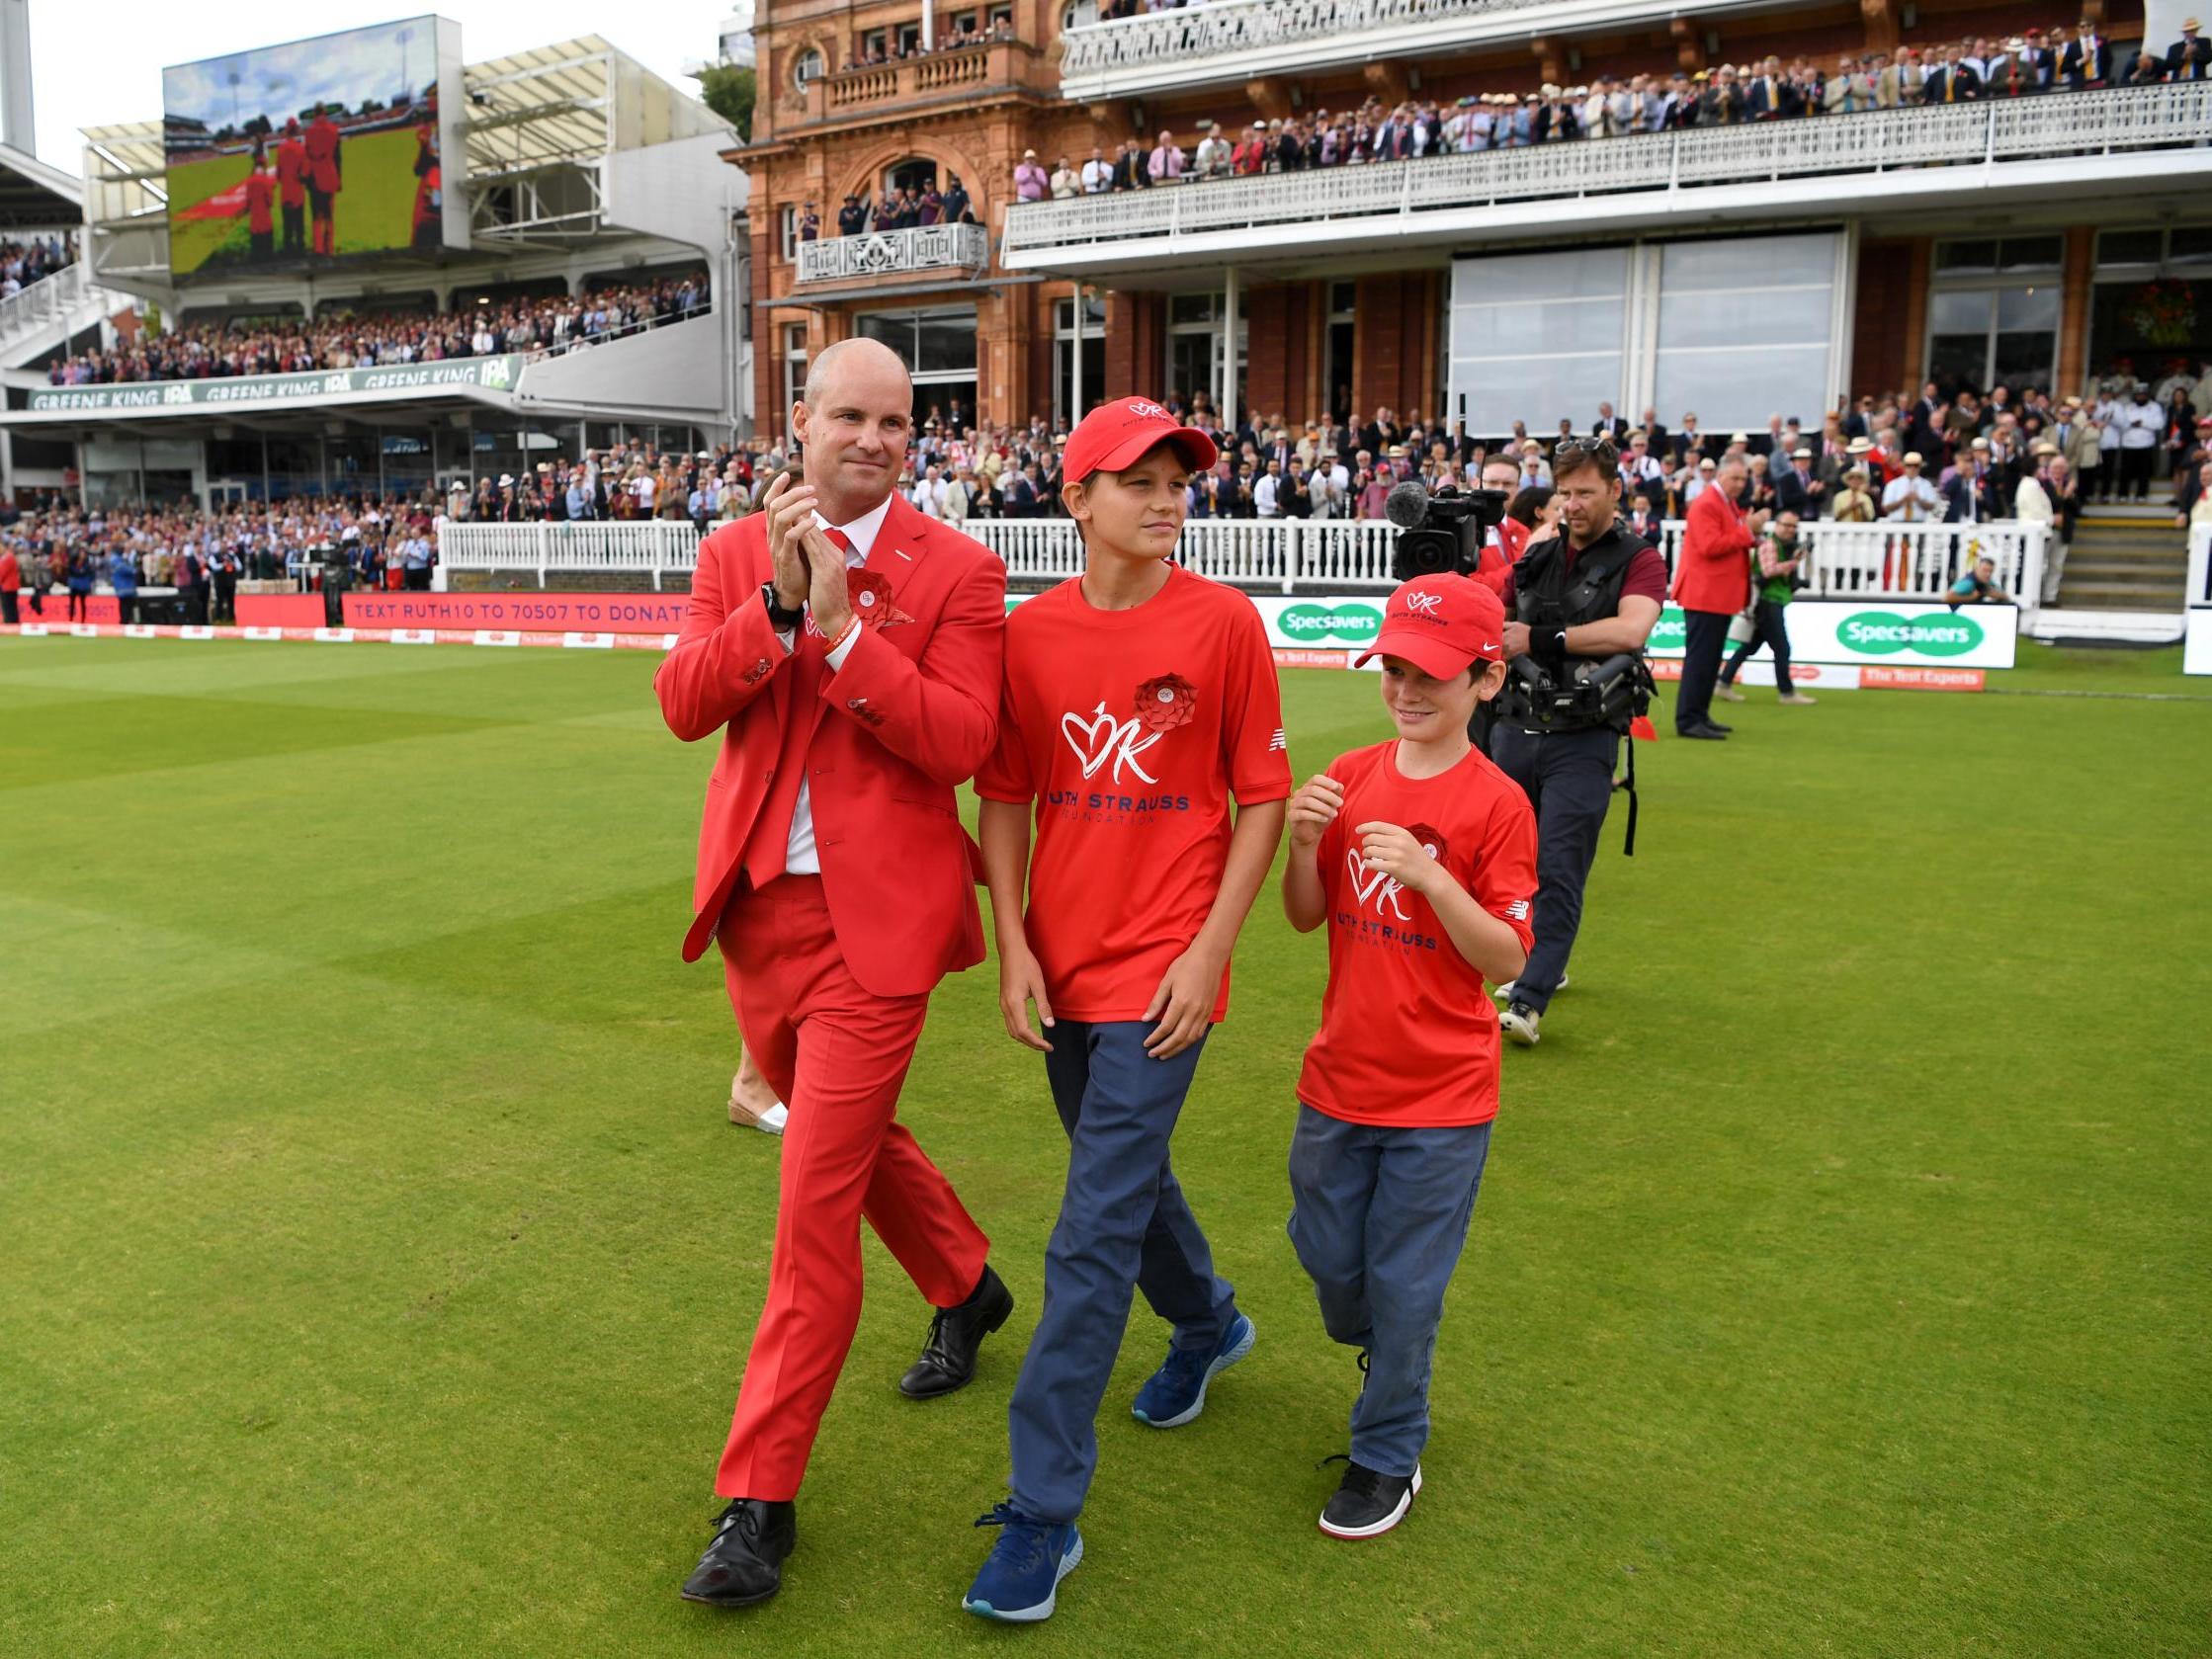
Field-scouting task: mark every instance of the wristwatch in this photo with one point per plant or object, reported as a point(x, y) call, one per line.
point(783, 618)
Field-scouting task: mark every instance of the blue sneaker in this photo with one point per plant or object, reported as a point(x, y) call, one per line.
point(1020, 1583)
point(1176, 1393)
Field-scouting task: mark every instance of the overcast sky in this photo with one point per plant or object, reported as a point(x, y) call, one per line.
point(93, 64)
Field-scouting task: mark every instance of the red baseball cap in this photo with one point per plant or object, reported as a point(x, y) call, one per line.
point(1125, 429)
point(1441, 625)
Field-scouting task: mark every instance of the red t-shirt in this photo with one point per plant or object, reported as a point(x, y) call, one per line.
point(1409, 1038)
point(1130, 730)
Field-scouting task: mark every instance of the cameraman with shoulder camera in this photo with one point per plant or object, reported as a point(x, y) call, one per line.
point(1582, 602)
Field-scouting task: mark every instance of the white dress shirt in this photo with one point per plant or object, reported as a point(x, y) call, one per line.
point(800, 855)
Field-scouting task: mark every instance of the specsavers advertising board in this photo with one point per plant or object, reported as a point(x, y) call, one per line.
point(1901, 634)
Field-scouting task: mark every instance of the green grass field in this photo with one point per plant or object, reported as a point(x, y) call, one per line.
point(375, 212)
point(377, 1262)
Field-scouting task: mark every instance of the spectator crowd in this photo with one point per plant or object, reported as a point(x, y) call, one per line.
point(1958, 458)
point(278, 345)
point(29, 259)
point(1610, 107)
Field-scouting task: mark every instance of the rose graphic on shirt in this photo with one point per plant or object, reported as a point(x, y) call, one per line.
point(1165, 703)
point(1432, 841)
point(868, 591)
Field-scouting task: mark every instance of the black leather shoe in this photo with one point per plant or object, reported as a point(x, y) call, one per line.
point(947, 1358)
point(1722, 729)
point(746, 1562)
point(1705, 729)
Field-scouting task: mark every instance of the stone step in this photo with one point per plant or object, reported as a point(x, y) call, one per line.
point(2118, 596)
point(2125, 564)
point(2135, 559)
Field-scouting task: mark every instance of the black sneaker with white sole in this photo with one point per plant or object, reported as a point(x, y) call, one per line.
point(1368, 1503)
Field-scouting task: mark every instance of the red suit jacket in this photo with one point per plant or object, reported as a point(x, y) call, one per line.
point(1714, 572)
point(909, 716)
point(1494, 565)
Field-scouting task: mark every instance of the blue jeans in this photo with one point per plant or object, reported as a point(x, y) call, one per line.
point(1378, 1218)
point(1124, 1226)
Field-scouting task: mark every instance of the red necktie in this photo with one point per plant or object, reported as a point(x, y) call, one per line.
point(768, 845)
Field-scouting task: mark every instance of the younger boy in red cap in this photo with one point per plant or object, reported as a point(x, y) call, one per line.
point(1139, 699)
point(1420, 856)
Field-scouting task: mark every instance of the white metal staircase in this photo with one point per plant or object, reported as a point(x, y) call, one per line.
point(50, 312)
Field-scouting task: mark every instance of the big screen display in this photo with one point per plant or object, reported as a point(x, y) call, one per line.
point(315, 153)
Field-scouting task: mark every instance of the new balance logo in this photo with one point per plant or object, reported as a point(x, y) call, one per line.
point(1517, 911)
point(1277, 741)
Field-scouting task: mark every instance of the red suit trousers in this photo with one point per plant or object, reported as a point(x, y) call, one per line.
point(837, 1056)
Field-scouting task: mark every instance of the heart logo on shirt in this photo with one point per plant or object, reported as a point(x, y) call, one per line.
point(1375, 884)
point(1103, 738)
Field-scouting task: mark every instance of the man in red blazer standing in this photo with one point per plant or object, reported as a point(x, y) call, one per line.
point(848, 650)
point(1712, 583)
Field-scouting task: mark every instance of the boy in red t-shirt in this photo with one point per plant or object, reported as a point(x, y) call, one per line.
point(1139, 699)
point(1420, 856)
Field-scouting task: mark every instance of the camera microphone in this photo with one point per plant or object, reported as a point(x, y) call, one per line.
point(1407, 505)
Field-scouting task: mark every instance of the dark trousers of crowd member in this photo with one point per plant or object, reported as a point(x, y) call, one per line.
point(80, 605)
point(196, 604)
point(226, 599)
point(261, 246)
point(2135, 473)
point(296, 230)
point(335, 604)
point(8, 609)
point(1567, 776)
point(126, 607)
point(1770, 628)
point(1707, 638)
point(418, 581)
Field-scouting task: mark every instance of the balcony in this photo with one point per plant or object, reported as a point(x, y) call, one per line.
point(2035, 150)
point(936, 247)
point(1228, 41)
point(952, 75)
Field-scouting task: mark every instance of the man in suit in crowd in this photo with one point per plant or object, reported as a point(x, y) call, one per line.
point(847, 651)
point(1609, 424)
point(2086, 63)
point(1772, 96)
point(2190, 58)
point(1951, 82)
point(1796, 489)
point(1969, 490)
point(1902, 82)
point(1690, 444)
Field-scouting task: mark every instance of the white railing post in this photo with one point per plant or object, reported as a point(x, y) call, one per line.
point(542, 528)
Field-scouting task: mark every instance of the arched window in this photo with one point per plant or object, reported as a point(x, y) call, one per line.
point(915, 173)
point(807, 68)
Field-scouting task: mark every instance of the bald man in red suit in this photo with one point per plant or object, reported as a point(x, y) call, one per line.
point(848, 652)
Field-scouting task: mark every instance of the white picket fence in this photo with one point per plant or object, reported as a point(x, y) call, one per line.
point(1290, 555)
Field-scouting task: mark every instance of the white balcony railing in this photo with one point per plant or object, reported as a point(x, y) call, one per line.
point(2057, 125)
point(965, 247)
point(1291, 555)
point(1176, 43)
point(650, 547)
